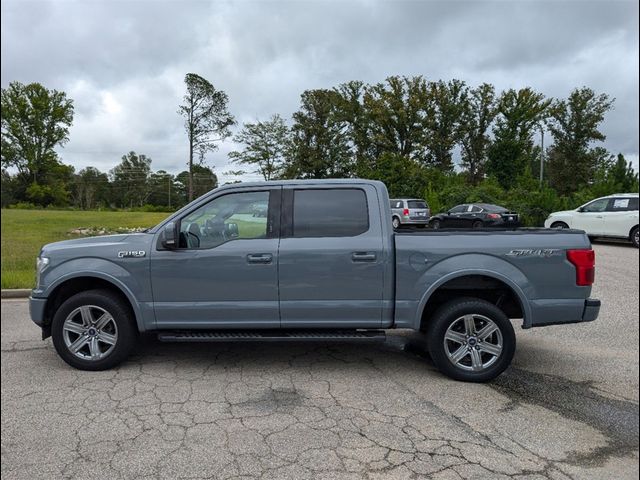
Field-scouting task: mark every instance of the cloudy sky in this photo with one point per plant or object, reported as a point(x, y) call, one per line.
point(123, 62)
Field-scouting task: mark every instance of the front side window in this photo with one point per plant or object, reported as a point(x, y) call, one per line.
point(229, 217)
point(339, 212)
point(596, 206)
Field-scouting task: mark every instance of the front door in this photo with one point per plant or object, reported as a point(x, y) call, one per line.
point(225, 272)
point(331, 261)
point(590, 217)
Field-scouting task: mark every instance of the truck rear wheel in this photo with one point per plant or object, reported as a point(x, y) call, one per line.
point(471, 340)
point(93, 330)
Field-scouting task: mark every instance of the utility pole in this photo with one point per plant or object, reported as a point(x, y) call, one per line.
point(541, 153)
point(169, 178)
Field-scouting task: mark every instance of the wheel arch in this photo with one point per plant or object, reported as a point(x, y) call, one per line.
point(70, 285)
point(484, 284)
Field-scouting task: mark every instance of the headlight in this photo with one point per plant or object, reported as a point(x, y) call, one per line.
point(41, 264)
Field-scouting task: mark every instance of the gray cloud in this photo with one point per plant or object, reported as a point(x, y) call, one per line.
point(123, 62)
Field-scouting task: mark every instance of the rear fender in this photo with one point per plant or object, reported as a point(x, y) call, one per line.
point(476, 264)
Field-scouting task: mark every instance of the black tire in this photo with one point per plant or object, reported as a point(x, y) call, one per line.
point(477, 224)
point(634, 237)
point(395, 222)
point(559, 225)
point(449, 314)
point(123, 324)
point(435, 224)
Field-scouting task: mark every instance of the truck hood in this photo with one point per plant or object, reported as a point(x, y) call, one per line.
point(99, 242)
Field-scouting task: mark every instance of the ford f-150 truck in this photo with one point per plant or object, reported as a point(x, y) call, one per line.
point(323, 264)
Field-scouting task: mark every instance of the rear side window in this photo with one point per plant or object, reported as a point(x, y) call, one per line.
point(396, 204)
point(475, 209)
point(623, 204)
point(339, 212)
point(417, 204)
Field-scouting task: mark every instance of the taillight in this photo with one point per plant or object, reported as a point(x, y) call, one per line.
point(585, 263)
point(405, 212)
point(493, 216)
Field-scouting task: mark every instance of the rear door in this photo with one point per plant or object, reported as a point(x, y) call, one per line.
point(331, 264)
point(418, 210)
point(621, 216)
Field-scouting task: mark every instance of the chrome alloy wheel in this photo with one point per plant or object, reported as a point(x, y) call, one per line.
point(473, 342)
point(90, 332)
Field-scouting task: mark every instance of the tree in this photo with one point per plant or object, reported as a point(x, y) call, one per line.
point(445, 104)
point(319, 143)
point(397, 110)
point(623, 176)
point(130, 180)
point(35, 120)
point(478, 115)
point(266, 144)
point(574, 125)
point(519, 114)
point(90, 188)
point(207, 120)
point(163, 190)
point(204, 180)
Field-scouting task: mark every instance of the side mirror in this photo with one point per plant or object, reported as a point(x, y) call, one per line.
point(581, 210)
point(169, 237)
point(232, 229)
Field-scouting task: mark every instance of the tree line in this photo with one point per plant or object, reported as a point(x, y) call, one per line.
point(445, 141)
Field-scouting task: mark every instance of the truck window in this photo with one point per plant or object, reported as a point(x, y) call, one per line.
point(229, 217)
point(339, 212)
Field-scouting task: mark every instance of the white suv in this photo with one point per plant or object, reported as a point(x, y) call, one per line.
point(612, 216)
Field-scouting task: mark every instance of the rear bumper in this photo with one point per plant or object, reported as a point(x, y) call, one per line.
point(36, 310)
point(560, 312)
point(414, 221)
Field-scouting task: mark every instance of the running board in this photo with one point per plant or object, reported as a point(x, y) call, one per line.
point(273, 336)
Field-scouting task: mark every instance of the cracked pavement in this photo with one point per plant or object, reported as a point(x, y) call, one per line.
point(567, 409)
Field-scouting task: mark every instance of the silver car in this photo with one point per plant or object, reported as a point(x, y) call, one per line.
point(409, 211)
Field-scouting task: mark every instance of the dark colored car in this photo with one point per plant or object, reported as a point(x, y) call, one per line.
point(475, 215)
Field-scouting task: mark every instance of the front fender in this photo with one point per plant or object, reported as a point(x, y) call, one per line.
point(475, 264)
point(127, 281)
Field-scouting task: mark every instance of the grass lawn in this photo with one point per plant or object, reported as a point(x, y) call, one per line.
point(24, 232)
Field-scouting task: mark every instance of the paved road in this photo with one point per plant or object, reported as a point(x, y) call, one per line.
point(568, 408)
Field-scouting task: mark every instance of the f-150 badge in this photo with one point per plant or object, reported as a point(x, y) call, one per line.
point(531, 252)
point(131, 253)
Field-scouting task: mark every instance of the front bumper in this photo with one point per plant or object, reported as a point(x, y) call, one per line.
point(36, 310)
point(560, 312)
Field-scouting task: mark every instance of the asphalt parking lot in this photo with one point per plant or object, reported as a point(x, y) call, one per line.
point(566, 409)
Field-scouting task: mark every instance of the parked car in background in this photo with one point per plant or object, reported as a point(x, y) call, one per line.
point(409, 211)
point(476, 215)
point(613, 216)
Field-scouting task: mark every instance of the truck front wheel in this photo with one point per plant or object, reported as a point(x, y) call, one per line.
point(93, 330)
point(471, 340)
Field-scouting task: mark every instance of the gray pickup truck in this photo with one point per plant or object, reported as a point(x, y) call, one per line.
point(323, 264)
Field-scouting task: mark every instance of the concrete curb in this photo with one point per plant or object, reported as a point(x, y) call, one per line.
point(16, 293)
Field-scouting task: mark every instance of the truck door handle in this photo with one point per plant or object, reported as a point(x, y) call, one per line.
point(363, 257)
point(259, 258)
